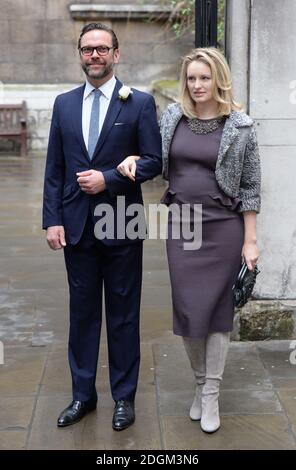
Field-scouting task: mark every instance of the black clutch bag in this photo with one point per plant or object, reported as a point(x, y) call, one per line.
point(244, 285)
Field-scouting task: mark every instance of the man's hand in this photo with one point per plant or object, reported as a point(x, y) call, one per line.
point(91, 181)
point(55, 237)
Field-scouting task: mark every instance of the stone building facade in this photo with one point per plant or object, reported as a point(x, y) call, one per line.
point(39, 57)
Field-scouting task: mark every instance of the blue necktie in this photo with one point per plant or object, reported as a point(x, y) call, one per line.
point(93, 134)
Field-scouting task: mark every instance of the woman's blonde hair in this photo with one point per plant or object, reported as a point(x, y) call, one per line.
point(221, 81)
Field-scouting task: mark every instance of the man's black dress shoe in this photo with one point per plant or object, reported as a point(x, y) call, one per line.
point(74, 413)
point(124, 415)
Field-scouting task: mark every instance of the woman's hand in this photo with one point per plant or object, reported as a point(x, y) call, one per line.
point(250, 254)
point(128, 167)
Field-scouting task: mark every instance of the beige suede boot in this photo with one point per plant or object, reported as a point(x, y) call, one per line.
point(216, 352)
point(196, 350)
point(210, 418)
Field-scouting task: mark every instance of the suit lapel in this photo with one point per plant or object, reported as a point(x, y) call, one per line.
point(112, 113)
point(77, 119)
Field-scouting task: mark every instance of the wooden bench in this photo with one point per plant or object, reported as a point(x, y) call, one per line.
point(13, 124)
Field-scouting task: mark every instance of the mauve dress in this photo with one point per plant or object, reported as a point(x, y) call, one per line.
point(202, 279)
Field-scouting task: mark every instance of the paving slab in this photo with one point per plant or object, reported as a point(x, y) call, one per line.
point(258, 393)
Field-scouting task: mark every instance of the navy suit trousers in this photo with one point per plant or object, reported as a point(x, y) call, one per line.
point(91, 267)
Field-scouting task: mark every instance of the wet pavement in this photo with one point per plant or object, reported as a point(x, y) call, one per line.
point(258, 397)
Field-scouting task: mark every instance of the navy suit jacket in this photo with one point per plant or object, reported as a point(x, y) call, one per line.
point(130, 128)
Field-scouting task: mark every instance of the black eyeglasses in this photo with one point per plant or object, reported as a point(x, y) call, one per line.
point(101, 50)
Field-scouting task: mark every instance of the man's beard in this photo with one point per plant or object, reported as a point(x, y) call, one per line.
point(102, 73)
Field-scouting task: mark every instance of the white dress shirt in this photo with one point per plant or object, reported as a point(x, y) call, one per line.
point(88, 97)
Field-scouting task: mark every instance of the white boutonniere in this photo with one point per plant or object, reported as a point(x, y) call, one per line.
point(124, 93)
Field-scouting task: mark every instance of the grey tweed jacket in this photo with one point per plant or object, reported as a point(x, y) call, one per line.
point(237, 171)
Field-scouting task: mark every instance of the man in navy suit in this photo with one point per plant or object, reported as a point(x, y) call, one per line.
point(92, 131)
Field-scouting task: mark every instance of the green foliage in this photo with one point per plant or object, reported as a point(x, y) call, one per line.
point(182, 19)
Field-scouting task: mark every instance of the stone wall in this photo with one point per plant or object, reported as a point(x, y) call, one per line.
point(260, 47)
point(39, 44)
point(39, 57)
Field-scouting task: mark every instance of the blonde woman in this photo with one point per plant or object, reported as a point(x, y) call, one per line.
point(210, 157)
